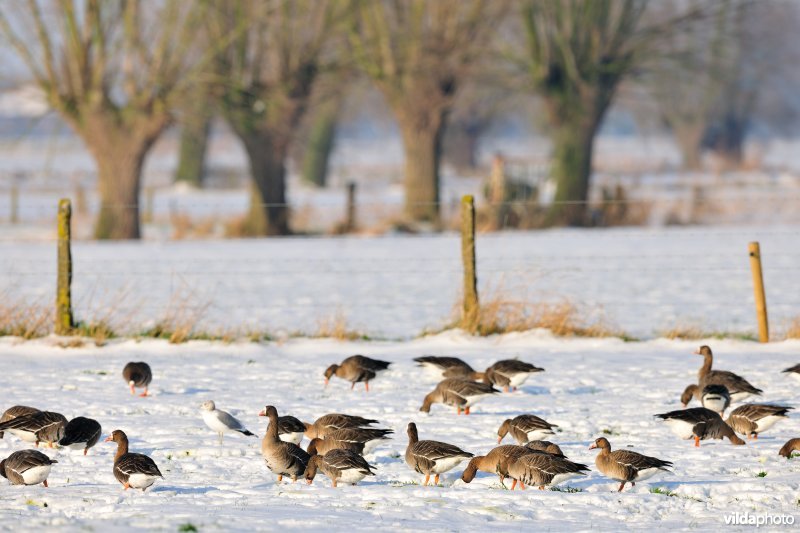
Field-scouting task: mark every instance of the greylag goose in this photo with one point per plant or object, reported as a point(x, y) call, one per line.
point(525, 428)
point(13, 412)
point(545, 446)
point(356, 369)
point(138, 375)
point(544, 470)
point(448, 367)
point(462, 393)
point(26, 467)
point(42, 426)
point(792, 445)
point(282, 458)
point(359, 440)
point(341, 466)
point(220, 421)
point(793, 371)
point(431, 456)
point(754, 418)
point(509, 373)
point(133, 470)
point(714, 397)
point(699, 423)
point(322, 425)
point(81, 432)
point(738, 387)
point(495, 462)
point(626, 466)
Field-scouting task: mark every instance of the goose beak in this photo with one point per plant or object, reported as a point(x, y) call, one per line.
point(696, 352)
point(309, 481)
point(262, 413)
point(592, 446)
point(326, 381)
point(499, 440)
point(108, 439)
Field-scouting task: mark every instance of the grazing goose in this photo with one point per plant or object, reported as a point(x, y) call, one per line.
point(42, 426)
point(699, 423)
point(341, 466)
point(462, 393)
point(282, 458)
point(332, 421)
point(544, 470)
point(792, 445)
point(448, 367)
point(525, 428)
point(738, 387)
point(509, 373)
point(356, 369)
point(13, 412)
point(26, 467)
point(793, 371)
point(133, 470)
point(138, 375)
point(81, 432)
point(626, 466)
point(754, 418)
point(545, 446)
point(359, 440)
point(431, 456)
point(714, 397)
point(495, 462)
point(221, 421)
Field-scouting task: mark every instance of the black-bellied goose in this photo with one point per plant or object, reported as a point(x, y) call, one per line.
point(26, 467)
point(448, 367)
point(461, 393)
point(138, 374)
point(359, 440)
point(282, 458)
point(792, 445)
point(42, 426)
point(15, 411)
point(525, 428)
point(544, 470)
point(431, 456)
point(545, 446)
point(341, 466)
point(509, 373)
point(738, 387)
point(626, 466)
point(495, 462)
point(699, 423)
point(133, 470)
point(332, 421)
point(81, 433)
point(793, 371)
point(356, 369)
point(754, 418)
point(221, 422)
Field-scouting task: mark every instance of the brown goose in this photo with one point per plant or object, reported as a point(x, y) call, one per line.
point(462, 393)
point(738, 387)
point(793, 371)
point(545, 446)
point(626, 466)
point(495, 462)
point(431, 456)
point(133, 470)
point(13, 412)
point(42, 426)
point(754, 418)
point(359, 440)
point(544, 470)
point(322, 425)
point(138, 375)
point(509, 373)
point(792, 445)
point(448, 367)
point(81, 432)
point(26, 467)
point(341, 466)
point(525, 428)
point(282, 458)
point(356, 369)
point(699, 423)
point(290, 429)
point(714, 397)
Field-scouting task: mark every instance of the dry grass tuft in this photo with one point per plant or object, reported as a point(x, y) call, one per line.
point(693, 332)
point(28, 320)
point(179, 322)
point(335, 327)
point(793, 329)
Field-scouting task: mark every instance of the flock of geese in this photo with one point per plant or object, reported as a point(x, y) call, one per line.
point(338, 443)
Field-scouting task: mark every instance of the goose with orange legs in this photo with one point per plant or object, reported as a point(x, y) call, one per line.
point(497, 462)
point(543, 470)
point(509, 373)
point(738, 387)
point(341, 466)
point(626, 466)
point(356, 369)
point(525, 428)
point(461, 393)
point(133, 470)
point(26, 467)
point(754, 418)
point(16, 411)
point(41, 426)
point(81, 433)
point(138, 375)
point(431, 457)
point(282, 458)
point(699, 423)
point(333, 421)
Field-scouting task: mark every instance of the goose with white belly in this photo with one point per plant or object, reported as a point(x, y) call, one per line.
point(738, 387)
point(81, 433)
point(431, 456)
point(333, 421)
point(544, 470)
point(341, 466)
point(754, 418)
point(461, 393)
point(359, 440)
point(448, 367)
point(26, 467)
point(282, 458)
point(699, 423)
point(133, 470)
point(42, 426)
point(496, 461)
point(356, 369)
point(626, 466)
point(792, 445)
point(509, 373)
point(525, 428)
point(16, 411)
point(138, 374)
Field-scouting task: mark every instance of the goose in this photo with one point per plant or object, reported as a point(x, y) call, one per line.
point(322, 425)
point(738, 387)
point(431, 456)
point(356, 369)
point(509, 373)
point(26, 467)
point(495, 462)
point(699, 423)
point(462, 393)
point(138, 375)
point(448, 367)
point(81, 433)
point(754, 418)
point(793, 371)
point(525, 428)
point(282, 458)
point(133, 470)
point(792, 445)
point(359, 440)
point(714, 397)
point(626, 466)
point(13, 412)
point(221, 421)
point(544, 470)
point(545, 446)
point(341, 466)
point(42, 426)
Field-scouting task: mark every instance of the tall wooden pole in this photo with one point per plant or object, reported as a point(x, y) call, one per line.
point(64, 321)
point(758, 289)
point(470, 310)
point(350, 220)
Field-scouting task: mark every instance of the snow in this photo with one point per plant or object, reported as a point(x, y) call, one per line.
point(590, 388)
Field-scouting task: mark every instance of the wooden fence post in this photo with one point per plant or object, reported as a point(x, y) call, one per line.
point(14, 214)
point(64, 322)
point(350, 221)
point(470, 310)
point(758, 289)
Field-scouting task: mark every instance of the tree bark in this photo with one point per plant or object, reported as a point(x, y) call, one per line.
point(267, 157)
point(192, 156)
point(573, 142)
point(690, 140)
point(422, 146)
point(319, 148)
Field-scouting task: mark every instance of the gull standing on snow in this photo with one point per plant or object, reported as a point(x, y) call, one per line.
point(221, 421)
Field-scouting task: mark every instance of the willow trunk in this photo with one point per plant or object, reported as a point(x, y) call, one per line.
point(422, 146)
point(269, 212)
point(573, 143)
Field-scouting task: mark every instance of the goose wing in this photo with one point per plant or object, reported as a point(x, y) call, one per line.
point(289, 424)
point(339, 421)
point(733, 382)
point(136, 463)
point(528, 423)
point(347, 460)
point(444, 363)
point(466, 388)
point(510, 367)
point(138, 372)
point(367, 363)
point(433, 450)
point(81, 429)
point(694, 415)
point(637, 460)
point(756, 411)
point(795, 369)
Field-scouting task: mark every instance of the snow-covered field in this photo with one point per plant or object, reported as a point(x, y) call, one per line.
point(590, 388)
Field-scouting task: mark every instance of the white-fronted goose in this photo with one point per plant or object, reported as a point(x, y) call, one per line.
point(793, 371)
point(509, 373)
point(714, 397)
point(138, 375)
point(754, 418)
point(133, 470)
point(495, 462)
point(359, 440)
point(322, 425)
point(545, 446)
point(738, 387)
point(461, 393)
point(626, 466)
point(221, 422)
point(356, 369)
point(26, 467)
point(525, 428)
point(448, 367)
point(282, 458)
point(544, 470)
point(42, 426)
point(81, 433)
point(699, 423)
point(341, 466)
point(431, 456)
point(15, 411)
point(792, 445)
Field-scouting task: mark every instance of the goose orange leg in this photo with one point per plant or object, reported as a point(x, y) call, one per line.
point(505, 389)
point(522, 485)
point(513, 484)
point(466, 411)
point(280, 478)
point(366, 385)
point(353, 385)
point(126, 485)
point(133, 391)
point(427, 478)
point(85, 450)
point(44, 483)
point(334, 483)
point(458, 410)
point(436, 479)
point(697, 442)
point(621, 486)
point(145, 393)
